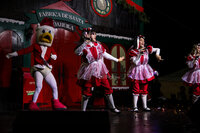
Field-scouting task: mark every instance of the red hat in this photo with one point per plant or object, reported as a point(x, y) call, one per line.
point(86, 30)
point(47, 21)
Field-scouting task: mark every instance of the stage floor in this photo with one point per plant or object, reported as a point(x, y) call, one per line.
point(156, 121)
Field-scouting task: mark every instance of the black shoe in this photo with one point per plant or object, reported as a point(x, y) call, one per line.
point(147, 109)
point(135, 109)
point(115, 110)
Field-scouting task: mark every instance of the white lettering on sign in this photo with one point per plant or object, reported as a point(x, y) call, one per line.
point(60, 15)
point(60, 24)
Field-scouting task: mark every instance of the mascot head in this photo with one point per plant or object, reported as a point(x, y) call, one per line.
point(45, 32)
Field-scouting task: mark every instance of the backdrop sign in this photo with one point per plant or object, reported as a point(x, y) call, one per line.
point(64, 25)
point(58, 15)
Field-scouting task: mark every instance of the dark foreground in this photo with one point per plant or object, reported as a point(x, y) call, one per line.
point(72, 121)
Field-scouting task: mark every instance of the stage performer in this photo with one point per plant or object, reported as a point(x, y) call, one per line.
point(192, 77)
point(43, 53)
point(93, 72)
point(140, 72)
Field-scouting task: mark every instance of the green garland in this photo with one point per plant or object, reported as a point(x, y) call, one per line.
point(131, 9)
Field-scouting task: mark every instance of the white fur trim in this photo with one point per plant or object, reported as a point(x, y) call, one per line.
point(120, 88)
point(44, 50)
point(138, 42)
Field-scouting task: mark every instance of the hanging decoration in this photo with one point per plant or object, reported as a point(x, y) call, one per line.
point(137, 4)
point(114, 36)
point(6, 20)
point(102, 7)
point(134, 8)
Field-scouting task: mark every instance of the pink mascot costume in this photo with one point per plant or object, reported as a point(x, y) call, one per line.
point(43, 54)
point(140, 72)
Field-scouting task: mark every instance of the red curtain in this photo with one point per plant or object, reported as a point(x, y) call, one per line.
point(67, 65)
point(6, 64)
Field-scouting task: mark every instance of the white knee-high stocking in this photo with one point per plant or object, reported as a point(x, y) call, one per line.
point(84, 102)
point(53, 84)
point(144, 101)
point(38, 83)
point(111, 103)
point(195, 98)
point(135, 100)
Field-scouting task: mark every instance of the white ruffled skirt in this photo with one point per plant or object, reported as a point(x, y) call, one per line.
point(141, 73)
point(95, 69)
point(192, 77)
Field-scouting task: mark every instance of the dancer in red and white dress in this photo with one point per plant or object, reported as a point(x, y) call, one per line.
point(93, 72)
point(140, 72)
point(43, 53)
point(192, 77)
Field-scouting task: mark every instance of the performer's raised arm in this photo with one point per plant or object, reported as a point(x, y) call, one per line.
point(110, 57)
point(192, 62)
point(86, 40)
point(135, 57)
point(79, 49)
point(20, 52)
point(135, 60)
point(156, 50)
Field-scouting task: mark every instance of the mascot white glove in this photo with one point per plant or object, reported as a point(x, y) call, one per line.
point(10, 55)
point(54, 57)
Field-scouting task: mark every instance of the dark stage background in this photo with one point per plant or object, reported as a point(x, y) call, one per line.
point(173, 27)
